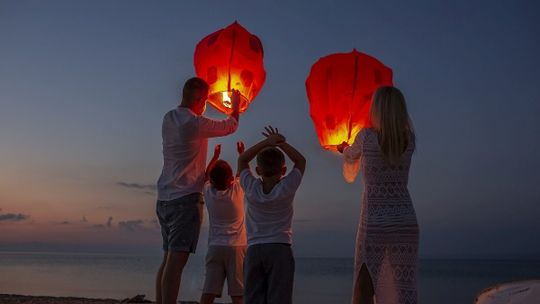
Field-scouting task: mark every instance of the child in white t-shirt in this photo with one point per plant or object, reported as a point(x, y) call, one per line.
point(227, 234)
point(269, 264)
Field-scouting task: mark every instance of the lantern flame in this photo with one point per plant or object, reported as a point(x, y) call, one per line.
point(226, 100)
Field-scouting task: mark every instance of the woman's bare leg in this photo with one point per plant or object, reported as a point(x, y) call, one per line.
point(367, 291)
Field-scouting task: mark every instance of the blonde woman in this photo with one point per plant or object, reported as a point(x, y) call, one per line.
point(387, 237)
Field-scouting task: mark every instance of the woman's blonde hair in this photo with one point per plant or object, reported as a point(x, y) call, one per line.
point(392, 123)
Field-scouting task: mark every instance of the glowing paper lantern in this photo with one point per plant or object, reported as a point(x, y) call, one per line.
point(339, 89)
point(231, 58)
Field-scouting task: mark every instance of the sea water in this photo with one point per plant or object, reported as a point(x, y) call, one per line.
point(317, 280)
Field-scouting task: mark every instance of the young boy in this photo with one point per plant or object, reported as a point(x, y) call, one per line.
point(269, 264)
point(185, 133)
point(227, 234)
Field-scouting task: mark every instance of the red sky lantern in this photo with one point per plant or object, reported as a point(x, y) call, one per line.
point(231, 58)
point(339, 88)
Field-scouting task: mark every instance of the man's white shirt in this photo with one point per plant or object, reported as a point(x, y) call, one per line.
point(185, 144)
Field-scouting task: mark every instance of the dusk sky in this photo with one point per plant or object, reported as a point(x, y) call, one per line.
point(84, 86)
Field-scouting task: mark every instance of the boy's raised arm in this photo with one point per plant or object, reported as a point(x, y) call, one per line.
point(271, 140)
point(217, 151)
point(296, 157)
point(240, 147)
point(249, 154)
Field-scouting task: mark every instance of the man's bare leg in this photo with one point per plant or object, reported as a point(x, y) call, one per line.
point(159, 277)
point(172, 275)
point(237, 300)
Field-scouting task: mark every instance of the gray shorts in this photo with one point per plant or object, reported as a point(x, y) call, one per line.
point(180, 220)
point(269, 274)
point(225, 262)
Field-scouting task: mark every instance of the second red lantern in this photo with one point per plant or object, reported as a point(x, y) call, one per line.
point(231, 58)
point(339, 89)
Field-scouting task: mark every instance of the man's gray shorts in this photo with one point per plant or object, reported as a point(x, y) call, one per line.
point(180, 220)
point(268, 274)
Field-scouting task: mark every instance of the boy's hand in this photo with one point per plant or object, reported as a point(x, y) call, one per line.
point(273, 137)
point(240, 147)
point(235, 100)
point(217, 151)
point(342, 146)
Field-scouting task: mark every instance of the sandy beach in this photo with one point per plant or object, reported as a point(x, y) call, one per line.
point(20, 299)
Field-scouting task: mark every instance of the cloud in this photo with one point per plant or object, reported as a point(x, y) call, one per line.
point(148, 187)
point(107, 224)
point(13, 217)
point(131, 225)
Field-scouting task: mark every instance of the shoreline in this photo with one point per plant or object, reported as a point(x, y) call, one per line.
point(22, 299)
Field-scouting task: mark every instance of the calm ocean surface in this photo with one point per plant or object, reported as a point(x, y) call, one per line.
point(318, 280)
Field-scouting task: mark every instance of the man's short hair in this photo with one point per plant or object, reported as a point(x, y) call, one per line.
point(192, 86)
point(220, 174)
point(270, 161)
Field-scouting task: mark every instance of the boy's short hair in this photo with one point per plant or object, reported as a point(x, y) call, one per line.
point(191, 86)
point(220, 175)
point(270, 161)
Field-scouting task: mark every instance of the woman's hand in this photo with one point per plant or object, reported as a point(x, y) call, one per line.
point(341, 147)
point(273, 136)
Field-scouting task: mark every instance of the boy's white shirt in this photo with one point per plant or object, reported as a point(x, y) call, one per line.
point(226, 215)
point(185, 144)
point(269, 216)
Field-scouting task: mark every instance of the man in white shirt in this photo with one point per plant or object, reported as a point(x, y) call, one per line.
point(179, 207)
point(227, 241)
point(269, 262)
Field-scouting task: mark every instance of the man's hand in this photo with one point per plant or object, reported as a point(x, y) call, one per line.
point(235, 100)
point(342, 146)
point(217, 151)
point(240, 147)
point(273, 136)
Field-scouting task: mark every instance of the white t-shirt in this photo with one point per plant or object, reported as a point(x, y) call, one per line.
point(226, 215)
point(185, 144)
point(269, 215)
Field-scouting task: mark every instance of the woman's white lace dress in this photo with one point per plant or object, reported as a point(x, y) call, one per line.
point(387, 237)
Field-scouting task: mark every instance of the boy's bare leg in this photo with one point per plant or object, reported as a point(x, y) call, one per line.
point(172, 274)
point(237, 300)
point(159, 277)
point(207, 298)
